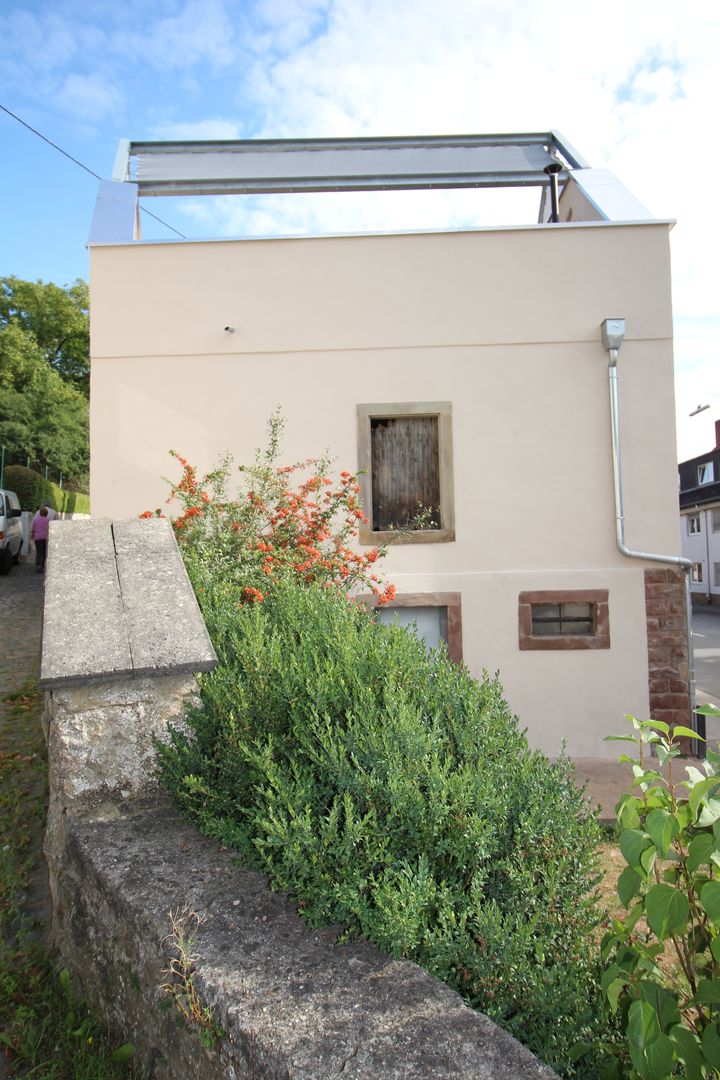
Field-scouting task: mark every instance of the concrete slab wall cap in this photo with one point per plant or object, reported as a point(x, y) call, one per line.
point(118, 603)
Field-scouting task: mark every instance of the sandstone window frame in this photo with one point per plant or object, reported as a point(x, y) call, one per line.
point(451, 601)
point(442, 410)
point(599, 638)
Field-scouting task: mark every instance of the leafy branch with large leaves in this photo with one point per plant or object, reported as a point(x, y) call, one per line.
point(662, 975)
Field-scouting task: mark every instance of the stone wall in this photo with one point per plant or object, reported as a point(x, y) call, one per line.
point(258, 996)
point(666, 617)
point(286, 1001)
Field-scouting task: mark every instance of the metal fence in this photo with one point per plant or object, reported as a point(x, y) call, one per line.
point(50, 472)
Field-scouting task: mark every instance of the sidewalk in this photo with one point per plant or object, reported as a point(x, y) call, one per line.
point(21, 606)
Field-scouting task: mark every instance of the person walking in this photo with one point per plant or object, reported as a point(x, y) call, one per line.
point(39, 529)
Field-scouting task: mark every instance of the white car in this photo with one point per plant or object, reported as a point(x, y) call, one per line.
point(11, 537)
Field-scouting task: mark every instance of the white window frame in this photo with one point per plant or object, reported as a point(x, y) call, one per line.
point(706, 473)
point(696, 573)
point(694, 519)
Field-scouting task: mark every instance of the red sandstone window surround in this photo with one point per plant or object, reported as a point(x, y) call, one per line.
point(450, 605)
point(564, 619)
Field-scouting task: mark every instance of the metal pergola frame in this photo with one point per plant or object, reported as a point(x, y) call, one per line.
point(262, 166)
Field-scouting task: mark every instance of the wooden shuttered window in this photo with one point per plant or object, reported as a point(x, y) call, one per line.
point(405, 455)
point(405, 462)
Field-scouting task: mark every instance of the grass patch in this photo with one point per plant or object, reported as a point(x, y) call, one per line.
point(45, 1030)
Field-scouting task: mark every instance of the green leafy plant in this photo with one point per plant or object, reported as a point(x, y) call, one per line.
point(392, 793)
point(662, 976)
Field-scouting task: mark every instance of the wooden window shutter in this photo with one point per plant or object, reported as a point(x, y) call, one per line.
point(405, 470)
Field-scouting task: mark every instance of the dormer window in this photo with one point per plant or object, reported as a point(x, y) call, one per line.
point(706, 473)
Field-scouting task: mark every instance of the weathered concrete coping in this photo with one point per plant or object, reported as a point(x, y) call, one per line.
point(118, 603)
point(290, 1000)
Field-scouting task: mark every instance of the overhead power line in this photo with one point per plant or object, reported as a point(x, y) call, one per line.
point(87, 170)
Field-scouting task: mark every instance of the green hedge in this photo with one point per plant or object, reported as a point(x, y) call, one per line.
point(392, 793)
point(32, 489)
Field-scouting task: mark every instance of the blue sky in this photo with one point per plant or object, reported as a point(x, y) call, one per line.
point(635, 86)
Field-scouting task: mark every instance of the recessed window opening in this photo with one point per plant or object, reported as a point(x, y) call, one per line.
point(405, 471)
point(716, 570)
point(433, 617)
point(693, 524)
point(706, 473)
point(562, 619)
point(716, 520)
point(429, 624)
point(697, 572)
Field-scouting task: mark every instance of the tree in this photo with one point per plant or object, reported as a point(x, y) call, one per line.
point(57, 319)
point(42, 417)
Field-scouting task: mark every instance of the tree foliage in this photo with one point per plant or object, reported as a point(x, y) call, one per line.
point(56, 319)
point(42, 417)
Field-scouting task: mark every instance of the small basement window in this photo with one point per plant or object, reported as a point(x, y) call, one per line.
point(564, 619)
point(434, 617)
point(405, 465)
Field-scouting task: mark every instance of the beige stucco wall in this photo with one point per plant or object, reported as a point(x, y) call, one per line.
point(505, 324)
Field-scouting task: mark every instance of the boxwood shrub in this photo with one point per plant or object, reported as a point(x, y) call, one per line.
point(392, 793)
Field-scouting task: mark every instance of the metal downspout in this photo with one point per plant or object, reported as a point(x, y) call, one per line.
point(672, 560)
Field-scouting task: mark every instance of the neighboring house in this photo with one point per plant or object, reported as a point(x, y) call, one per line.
point(700, 521)
point(462, 369)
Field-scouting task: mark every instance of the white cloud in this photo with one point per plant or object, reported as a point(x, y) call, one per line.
point(201, 32)
point(282, 25)
point(88, 97)
point(198, 130)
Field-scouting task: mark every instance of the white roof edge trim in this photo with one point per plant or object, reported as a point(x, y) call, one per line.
point(530, 227)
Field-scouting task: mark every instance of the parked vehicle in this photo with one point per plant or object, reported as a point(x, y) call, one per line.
point(11, 537)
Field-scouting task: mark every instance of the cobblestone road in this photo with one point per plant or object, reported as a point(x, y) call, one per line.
point(21, 605)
